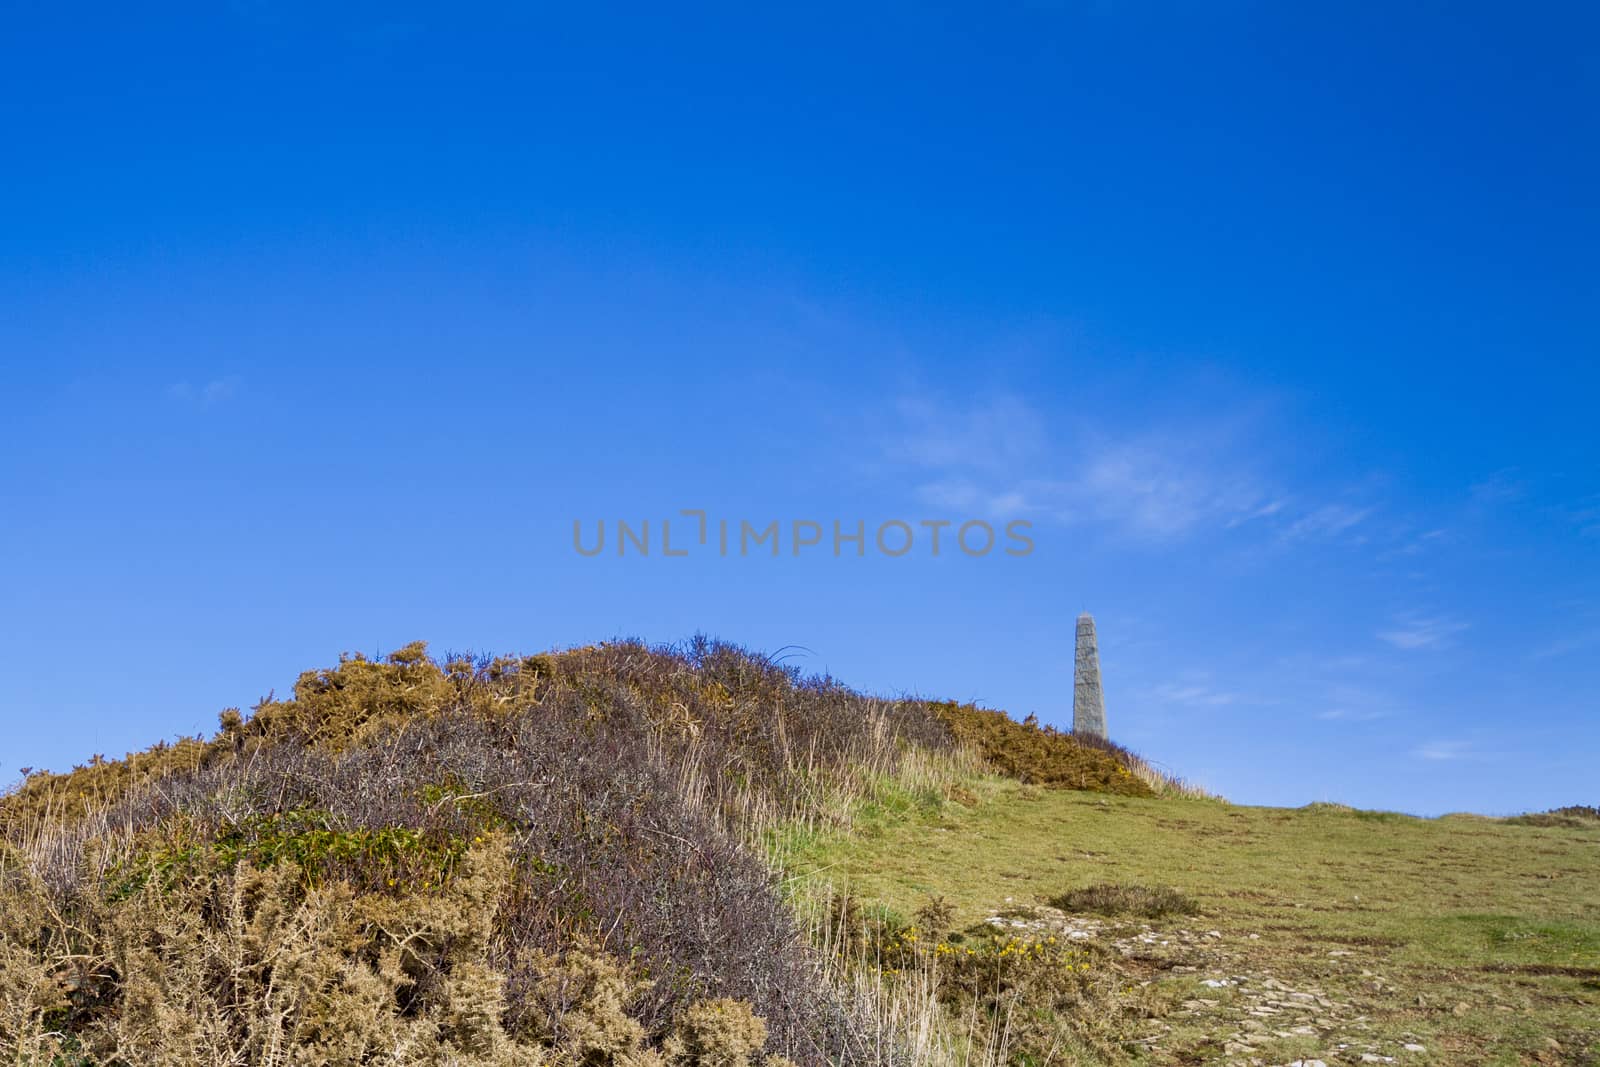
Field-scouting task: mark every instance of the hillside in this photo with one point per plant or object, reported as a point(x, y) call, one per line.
point(1261, 935)
point(643, 856)
point(509, 860)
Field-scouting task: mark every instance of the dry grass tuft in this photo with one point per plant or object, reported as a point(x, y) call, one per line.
point(1573, 815)
point(1139, 901)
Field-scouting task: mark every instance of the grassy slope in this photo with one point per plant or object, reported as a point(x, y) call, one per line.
point(1476, 939)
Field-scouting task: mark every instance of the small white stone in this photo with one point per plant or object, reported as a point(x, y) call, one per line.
point(1415, 1047)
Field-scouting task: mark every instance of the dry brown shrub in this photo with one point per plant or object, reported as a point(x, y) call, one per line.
point(34, 975)
point(717, 1033)
point(583, 998)
point(1040, 755)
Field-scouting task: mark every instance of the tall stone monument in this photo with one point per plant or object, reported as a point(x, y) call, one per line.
point(1088, 704)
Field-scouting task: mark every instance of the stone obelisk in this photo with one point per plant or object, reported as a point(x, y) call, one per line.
point(1088, 704)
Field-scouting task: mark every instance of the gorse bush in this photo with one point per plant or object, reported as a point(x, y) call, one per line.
point(502, 860)
point(306, 839)
point(1041, 754)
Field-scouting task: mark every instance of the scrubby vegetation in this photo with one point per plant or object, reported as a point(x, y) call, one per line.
point(552, 858)
point(1322, 933)
point(1031, 753)
point(1140, 901)
point(1572, 815)
point(1046, 756)
point(979, 994)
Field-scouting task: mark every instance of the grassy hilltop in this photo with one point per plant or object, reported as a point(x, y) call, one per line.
point(623, 855)
point(1263, 935)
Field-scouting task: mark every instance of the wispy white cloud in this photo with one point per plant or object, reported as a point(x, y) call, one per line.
point(1192, 695)
point(1586, 516)
point(206, 394)
point(1505, 488)
point(1343, 700)
point(1498, 489)
point(1159, 482)
point(1416, 545)
point(1445, 750)
point(1413, 631)
point(1265, 511)
point(1327, 522)
point(1156, 488)
point(1344, 714)
point(965, 495)
point(997, 436)
point(1571, 643)
point(996, 457)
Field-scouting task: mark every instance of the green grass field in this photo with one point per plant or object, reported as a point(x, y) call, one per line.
point(1322, 933)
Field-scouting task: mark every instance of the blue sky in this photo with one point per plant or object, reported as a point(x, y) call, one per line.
point(319, 330)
